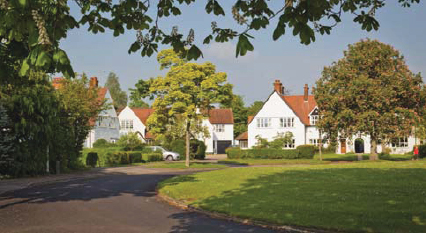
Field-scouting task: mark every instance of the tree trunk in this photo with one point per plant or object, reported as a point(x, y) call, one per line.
point(320, 146)
point(373, 149)
point(187, 145)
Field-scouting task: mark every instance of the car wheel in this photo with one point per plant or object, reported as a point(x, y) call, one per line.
point(169, 158)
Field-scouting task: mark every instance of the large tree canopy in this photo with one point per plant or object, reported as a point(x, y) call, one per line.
point(33, 29)
point(185, 94)
point(370, 91)
point(118, 96)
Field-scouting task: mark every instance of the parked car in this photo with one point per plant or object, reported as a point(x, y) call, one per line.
point(167, 155)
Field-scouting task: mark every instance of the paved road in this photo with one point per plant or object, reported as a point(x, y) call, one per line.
point(120, 202)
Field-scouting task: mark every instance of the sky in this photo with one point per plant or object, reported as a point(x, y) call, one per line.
point(253, 75)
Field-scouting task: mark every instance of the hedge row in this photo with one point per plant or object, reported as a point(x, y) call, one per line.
point(301, 152)
point(124, 157)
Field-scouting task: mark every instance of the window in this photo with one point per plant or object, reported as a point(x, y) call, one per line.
point(126, 124)
point(289, 145)
point(243, 144)
point(400, 142)
point(263, 122)
point(314, 119)
point(286, 122)
point(103, 121)
point(314, 142)
point(219, 127)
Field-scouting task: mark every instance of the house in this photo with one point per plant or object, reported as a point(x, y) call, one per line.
point(106, 125)
point(220, 124)
point(298, 114)
point(135, 120)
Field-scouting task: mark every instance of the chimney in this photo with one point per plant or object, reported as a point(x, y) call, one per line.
point(306, 92)
point(278, 87)
point(93, 82)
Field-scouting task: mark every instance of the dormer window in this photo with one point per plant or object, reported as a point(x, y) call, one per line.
point(314, 119)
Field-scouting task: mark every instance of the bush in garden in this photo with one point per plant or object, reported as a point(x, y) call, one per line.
point(135, 157)
point(422, 151)
point(130, 142)
point(92, 159)
point(101, 143)
point(262, 153)
point(306, 151)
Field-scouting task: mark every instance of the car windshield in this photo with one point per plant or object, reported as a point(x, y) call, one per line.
point(157, 148)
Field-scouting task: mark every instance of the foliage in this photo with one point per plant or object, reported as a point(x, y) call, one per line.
point(130, 141)
point(369, 91)
point(101, 143)
point(138, 94)
point(254, 108)
point(34, 28)
point(119, 97)
point(129, 157)
point(7, 146)
point(422, 151)
point(306, 151)
point(240, 114)
point(135, 157)
point(261, 142)
point(263, 153)
point(178, 146)
point(152, 157)
point(92, 159)
point(343, 203)
point(281, 139)
point(185, 93)
point(197, 149)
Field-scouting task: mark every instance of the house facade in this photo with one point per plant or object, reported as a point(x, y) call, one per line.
point(106, 125)
point(298, 114)
point(135, 120)
point(220, 124)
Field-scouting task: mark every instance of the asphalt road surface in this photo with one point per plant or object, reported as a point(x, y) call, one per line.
point(120, 202)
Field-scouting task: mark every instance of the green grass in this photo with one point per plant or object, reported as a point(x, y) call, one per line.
point(372, 197)
point(271, 161)
point(181, 165)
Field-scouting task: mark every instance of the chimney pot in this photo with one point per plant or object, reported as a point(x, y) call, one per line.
point(306, 90)
point(278, 87)
point(93, 82)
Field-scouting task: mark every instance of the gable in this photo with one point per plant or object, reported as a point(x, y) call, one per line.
point(143, 113)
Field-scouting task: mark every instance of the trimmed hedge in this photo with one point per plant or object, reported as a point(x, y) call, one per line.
point(263, 153)
point(422, 151)
point(124, 157)
point(306, 151)
point(152, 157)
point(92, 159)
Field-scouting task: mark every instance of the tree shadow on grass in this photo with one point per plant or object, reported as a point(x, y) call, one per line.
point(356, 199)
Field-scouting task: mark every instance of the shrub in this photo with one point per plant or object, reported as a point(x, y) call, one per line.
point(306, 151)
point(201, 151)
point(179, 147)
point(101, 143)
point(130, 142)
point(92, 159)
point(422, 151)
point(197, 149)
point(115, 158)
point(135, 157)
point(152, 157)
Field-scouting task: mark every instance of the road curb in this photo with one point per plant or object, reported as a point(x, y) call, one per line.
point(216, 215)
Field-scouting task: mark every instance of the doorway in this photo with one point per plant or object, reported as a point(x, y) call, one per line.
point(343, 146)
point(359, 145)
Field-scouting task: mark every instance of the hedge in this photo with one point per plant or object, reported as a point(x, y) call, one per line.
point(306, 151)
point(92, 159)
point(152, 157)
point(125, 157)
point(422, 151)
point(263, 153)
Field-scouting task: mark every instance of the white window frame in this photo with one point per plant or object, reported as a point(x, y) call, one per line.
point(314, 119)
point(126, 124)
point(314, 141)
point(287, 122)
point(243, 144)
point(263, 122)
point(400, 143)
point(220, 128)
point(290, 145)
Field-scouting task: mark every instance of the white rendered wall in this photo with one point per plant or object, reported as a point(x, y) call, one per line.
point(275, 108)
point(128, 114)
point(227, 135)
point(350, 145)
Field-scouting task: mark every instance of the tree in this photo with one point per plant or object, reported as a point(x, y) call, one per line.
point(6, 141)
point(370, 91)
point(187, 91)
point(240, 114)
point(119, 97)
point(33, 29)
point(281, 139)
point(254, 108)
point(130, 141)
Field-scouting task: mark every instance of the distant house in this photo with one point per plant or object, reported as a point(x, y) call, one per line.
point(298, 114)
point(105, 125)
point(220, 124)
point(135, 120)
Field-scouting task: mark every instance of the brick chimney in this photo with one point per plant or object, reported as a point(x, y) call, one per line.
point(278, 87)
point(93, 82)
point(306, 88)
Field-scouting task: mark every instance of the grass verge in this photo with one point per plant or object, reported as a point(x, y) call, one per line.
point(372, 197)
point(181, 165)
point(271, 161)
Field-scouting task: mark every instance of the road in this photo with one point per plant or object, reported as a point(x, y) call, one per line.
point(124, 201)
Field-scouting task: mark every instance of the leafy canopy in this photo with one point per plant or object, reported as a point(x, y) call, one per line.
point(33, 29)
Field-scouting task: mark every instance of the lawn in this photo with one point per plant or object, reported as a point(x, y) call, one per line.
point(271, 161)
point(371, 197)
point(181, 165)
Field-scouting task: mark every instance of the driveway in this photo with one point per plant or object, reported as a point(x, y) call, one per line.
point(122, 201)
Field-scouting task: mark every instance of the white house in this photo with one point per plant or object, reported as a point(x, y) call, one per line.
point(134, 120)
point(220, 124)
point(298, 114)
point(106, 125)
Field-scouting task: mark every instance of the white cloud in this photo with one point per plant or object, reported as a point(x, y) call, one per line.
point(226, 52)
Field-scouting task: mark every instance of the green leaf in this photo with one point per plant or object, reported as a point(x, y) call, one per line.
point(134, 47)
point(279, 31)
point(23, 3)
point(43, 59)
point(208, 39)
point(24, 68)
point(243, 45)
point(194, 53)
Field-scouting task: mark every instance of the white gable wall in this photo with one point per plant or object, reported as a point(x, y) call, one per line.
point(275, 108)
point(227, 135)
point(128, 114)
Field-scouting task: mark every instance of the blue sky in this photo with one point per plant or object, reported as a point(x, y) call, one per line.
point(252, 76)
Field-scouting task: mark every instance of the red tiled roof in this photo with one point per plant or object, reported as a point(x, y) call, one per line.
point(221, 116)
point(101, 96)
point(143, 113)
point(243, 136)
point(148, 135)
point(301, 107)
point(250, 119)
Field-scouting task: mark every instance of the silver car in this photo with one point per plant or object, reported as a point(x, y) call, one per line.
point(167, 155)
